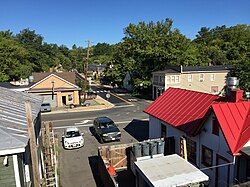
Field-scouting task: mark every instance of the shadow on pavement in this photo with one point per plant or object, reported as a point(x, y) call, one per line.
point(138, 129)
point(93, 163)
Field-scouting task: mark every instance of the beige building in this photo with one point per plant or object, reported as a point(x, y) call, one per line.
point(207, 79)
point(58, 89)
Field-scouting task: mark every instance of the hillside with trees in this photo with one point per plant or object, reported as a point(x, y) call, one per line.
point(146, 47)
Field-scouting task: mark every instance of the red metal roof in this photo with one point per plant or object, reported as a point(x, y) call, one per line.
point(181, 108)
point(234, 119)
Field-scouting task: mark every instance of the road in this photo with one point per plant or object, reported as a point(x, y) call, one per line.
point(79, 167)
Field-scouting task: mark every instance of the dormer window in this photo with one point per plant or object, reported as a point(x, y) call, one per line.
point(215, 126)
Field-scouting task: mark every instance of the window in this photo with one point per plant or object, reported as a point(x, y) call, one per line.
point(212, 77)
point(156, 78)
point(215, 127)
point(161, 79)
point(70, 98)
point(163, 131)
point(214, 89)
point(177, 79)
point(168, 79)
point(207, 156)
point(190, 78)
point(191, 150)
point(201, 77)
point(173, 79)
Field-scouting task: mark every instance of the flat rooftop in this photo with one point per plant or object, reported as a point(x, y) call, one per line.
point(171, 170)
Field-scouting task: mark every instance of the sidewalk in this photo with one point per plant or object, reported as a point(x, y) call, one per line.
point(101, 105)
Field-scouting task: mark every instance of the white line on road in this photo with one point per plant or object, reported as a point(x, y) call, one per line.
point(123, 106)
point(90, 124)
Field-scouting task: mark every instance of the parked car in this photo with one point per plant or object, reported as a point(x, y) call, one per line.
point(72, 138)
point(45, 107)
point(91, 95)
point(106, 130)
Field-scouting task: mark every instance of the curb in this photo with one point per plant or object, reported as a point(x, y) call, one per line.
point(103, 105)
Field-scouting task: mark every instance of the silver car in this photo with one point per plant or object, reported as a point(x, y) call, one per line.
point(45, 107)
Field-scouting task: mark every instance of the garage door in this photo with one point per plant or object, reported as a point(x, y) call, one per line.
point(49, 99)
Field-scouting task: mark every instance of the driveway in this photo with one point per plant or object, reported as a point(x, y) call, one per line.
point(78, 167)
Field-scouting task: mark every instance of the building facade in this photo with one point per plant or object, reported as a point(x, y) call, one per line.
point(207, 79)
point(211, 132)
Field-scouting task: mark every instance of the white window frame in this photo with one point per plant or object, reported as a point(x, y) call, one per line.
point(201, 77)
point(212, 77)
point(70, 98)
point(177, 79)
point(190, 78)
point(168, 79)
point(172, 79)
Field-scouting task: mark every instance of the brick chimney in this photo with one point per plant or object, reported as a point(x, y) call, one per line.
point(235, 95)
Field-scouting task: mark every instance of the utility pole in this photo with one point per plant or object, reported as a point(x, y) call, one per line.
point(86, 71)
point(33, 146)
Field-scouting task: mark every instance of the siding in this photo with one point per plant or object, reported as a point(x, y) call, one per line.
point(7, 177)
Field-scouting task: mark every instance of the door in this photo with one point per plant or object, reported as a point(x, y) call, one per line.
point(64, 100)
point(222, 171)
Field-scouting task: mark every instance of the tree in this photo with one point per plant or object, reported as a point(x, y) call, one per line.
point(151, 46)
point(13, 60)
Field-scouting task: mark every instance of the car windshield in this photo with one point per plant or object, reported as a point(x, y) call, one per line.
point(107, 125)
point(71, 134)
point(45, 104)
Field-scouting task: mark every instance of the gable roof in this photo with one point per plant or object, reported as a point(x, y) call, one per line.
point(181, 108)
point(234, 120)
point(52, 74)
point(13, 123)
point(69, 76)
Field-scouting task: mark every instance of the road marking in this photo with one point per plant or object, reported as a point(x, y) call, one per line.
point(59, 120)
point(90, 124)
point(123, 106)
point(122, 99)
point(83, 122)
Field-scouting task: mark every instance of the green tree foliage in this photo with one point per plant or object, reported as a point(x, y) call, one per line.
point(13, 60)
point(146, 47)
point(149, 47)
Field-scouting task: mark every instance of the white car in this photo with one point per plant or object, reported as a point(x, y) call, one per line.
point(72, 138)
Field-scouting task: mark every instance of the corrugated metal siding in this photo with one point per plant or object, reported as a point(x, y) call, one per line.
point(13, 123)
point(234, 119)
point(181, 108)
point(7, 177)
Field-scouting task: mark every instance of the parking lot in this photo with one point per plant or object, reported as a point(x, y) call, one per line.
point(78, 167)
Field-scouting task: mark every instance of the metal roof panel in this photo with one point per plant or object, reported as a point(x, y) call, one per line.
point(179, 108)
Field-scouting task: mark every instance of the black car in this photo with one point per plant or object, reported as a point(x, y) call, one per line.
point(106, 129)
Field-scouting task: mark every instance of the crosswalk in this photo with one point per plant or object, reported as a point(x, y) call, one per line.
point(101, 91)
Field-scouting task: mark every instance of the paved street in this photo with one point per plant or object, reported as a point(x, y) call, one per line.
point(79, 167)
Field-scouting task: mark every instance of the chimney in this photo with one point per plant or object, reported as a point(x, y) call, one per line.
point(50, 70)
point(233, 93)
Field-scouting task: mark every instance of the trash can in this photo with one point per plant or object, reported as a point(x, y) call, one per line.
point(153, 148)
point(145, 149)
point(137, 150)
point(160, 147)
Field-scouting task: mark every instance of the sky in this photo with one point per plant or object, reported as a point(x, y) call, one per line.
point(68, 22)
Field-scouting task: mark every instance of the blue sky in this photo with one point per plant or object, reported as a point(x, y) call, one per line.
point(76, 21)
